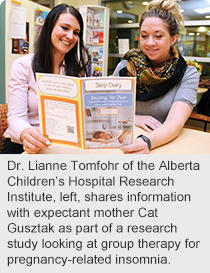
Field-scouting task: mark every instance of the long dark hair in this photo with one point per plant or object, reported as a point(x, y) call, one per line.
point(76, 60)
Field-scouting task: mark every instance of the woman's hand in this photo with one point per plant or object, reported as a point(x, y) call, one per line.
point(33, 141)
point(169, 130)
point(138, 147)
point(148, 123)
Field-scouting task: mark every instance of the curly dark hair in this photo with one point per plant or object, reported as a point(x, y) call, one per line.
point(76, 60)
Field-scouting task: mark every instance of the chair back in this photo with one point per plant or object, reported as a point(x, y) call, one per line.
point(3, 123)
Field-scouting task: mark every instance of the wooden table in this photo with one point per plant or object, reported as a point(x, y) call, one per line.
point(202, 90)
point(188, 142)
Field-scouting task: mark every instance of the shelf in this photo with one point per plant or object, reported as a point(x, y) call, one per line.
point(96, 45)
point(95, 27)
point(98, 15)
point(116, 55)
point(107, 117)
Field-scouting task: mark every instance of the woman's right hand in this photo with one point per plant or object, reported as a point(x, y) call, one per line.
point(148, 123)
point(33, 141)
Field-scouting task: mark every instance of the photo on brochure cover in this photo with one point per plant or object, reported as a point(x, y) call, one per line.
point(88, 113)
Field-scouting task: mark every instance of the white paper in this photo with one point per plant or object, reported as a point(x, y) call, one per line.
point(123, 45)
point(61, 120)
point(18, 23)
point(17, 30)
point(18, 14)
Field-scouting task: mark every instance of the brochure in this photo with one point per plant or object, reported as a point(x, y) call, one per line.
point(98, 37)
point(88, 113)
point(97, 54)
point(90, 14)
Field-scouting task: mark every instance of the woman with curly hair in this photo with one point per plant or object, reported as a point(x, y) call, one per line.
point(166, 85)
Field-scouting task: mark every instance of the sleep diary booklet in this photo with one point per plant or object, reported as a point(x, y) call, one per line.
point(88, 113)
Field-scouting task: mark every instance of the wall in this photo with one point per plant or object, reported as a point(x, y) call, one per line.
point(6, 48)
point(30, 13)
point(76, 3)
point(89, 2)
point(2, 51)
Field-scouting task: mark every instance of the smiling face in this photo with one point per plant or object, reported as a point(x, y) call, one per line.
point(155, 40)
point(65, 34)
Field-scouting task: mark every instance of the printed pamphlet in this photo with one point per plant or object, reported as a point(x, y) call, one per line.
point(88, 113)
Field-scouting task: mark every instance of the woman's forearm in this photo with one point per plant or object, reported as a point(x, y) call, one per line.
point(173, 125)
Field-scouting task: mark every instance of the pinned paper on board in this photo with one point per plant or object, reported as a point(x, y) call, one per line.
point(21, 46)
point(123, 45)
point(18, 14)
point(18, 23)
